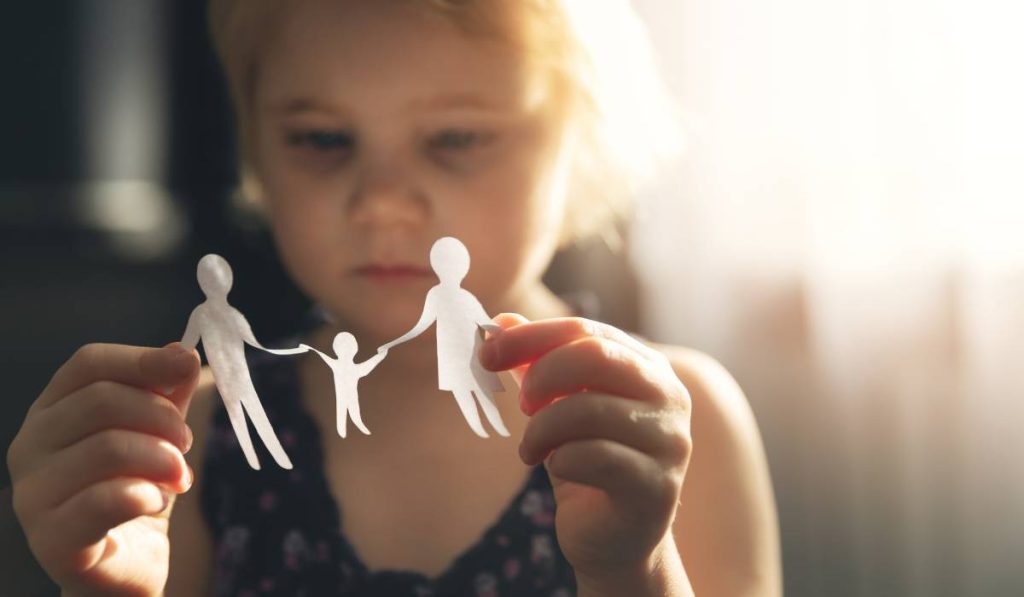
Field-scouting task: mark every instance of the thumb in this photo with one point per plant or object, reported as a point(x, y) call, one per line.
point(187, 367)
point(487, 354)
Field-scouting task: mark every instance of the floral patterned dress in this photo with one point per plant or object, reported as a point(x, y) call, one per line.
point(277, 532)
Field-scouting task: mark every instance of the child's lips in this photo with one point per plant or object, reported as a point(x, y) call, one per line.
point(384, 273)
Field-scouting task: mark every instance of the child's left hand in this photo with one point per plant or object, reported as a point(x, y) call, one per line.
point(611, 421)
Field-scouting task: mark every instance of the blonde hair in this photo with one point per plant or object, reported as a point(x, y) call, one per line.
point(604, 72)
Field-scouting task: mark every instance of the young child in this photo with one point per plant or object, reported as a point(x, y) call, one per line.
point(370, 129)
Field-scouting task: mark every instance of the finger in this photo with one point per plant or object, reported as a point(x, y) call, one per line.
point(637, 485)
point(524, 343)
point(71, 539)
point(506, 321)
point(509, 320)
point(598, 364)
point(105, 455)
point(147, 368)
point(181, 394)
point(662, 434)
point(110, 405)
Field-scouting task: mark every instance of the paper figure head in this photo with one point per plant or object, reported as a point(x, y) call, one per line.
point(450, 259)
point(345, 346)
point(214, 275)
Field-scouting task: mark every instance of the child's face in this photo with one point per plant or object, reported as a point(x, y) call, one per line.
point(382, 127)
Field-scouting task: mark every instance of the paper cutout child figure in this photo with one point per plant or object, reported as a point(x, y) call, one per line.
point(347, 374)
point(459, 316)
point(224, 332)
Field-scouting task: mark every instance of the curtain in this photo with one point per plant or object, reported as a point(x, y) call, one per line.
point(845, 232)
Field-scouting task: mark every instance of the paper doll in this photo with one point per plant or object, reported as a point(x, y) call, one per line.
point(224, 332)
point(459, 316)
point(347, 374)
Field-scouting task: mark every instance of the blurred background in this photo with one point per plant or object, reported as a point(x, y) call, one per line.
point(844, 233)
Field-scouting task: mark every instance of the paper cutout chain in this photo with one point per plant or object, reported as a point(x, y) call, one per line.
point(458, 314)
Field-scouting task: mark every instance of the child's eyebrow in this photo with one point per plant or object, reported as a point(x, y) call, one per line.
point(301, 105)
point(455, 101)
point(439, 103)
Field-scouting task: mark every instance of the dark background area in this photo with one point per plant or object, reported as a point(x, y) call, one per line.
point(66, 281)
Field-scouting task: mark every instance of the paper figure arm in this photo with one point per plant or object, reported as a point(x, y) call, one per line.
point(190, 339)
point(244, 330)
point(301, 348)
point(322, 356)
point(426, 319)
point(482, 319)
point(370, 364)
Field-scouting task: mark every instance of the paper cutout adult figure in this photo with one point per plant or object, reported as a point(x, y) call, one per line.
point(459, 316)
point(224, 332)
point(347, 374)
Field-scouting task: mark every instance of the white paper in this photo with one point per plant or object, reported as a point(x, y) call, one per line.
point(347, 374)
point(224, 332)
point(459, 317)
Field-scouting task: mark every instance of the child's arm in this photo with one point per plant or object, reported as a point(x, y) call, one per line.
point(192, 554)
point(727, 531)
point(101, 448)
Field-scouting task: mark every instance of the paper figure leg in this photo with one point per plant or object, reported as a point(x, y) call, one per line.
point(349, 407)
point(357, 417)
point(342, 416)
point(237, 417)
point(468, 407)
point(491, 411)
point(254, 408)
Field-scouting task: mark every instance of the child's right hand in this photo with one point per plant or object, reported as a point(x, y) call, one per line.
point(97, 462)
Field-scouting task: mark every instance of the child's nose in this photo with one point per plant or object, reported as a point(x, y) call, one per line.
point(385, 194)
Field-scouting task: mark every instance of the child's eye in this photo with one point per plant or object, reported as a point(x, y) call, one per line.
point(324, 141)
point(459, 139)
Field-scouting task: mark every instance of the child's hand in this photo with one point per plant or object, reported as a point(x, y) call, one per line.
point(96, 463)
point(611, 421)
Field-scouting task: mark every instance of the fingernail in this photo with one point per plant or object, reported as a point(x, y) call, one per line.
point(166, 497)
point(175, 350)
point(189, 477)
point(188, 439)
